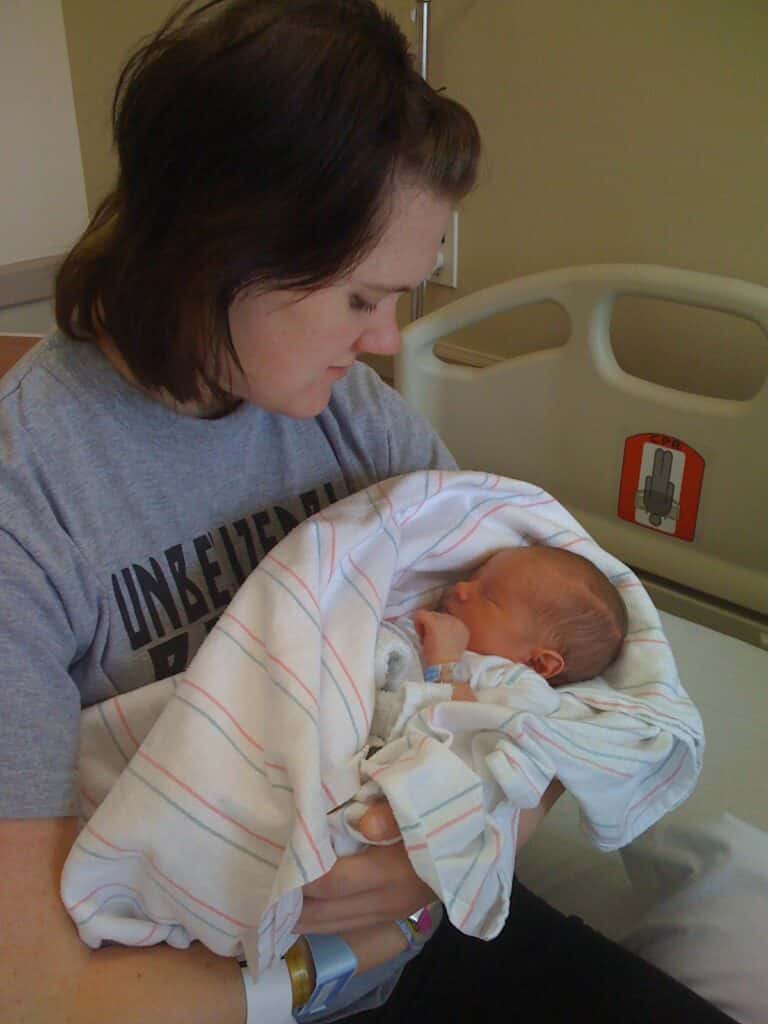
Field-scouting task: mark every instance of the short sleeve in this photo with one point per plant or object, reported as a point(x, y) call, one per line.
point(39, 701)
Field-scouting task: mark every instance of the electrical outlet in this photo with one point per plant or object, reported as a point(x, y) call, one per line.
point(446, 271)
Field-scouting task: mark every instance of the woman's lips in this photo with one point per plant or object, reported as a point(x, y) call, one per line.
point(340, 371)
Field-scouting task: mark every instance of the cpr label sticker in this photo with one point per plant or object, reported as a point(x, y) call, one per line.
point(660, 488)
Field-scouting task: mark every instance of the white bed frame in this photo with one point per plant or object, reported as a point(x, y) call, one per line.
point(562, 418)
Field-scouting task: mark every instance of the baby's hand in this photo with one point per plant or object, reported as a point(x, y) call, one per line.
point(443, 637)
point(463, 691)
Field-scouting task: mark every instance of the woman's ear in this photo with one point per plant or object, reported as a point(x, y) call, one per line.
point(546, 662)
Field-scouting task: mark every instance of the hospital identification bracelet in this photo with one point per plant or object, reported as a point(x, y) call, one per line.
point(447, 672)
point(319, 967)
point(306, 981)
point(301, 971)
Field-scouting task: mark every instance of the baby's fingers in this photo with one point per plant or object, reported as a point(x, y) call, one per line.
point(424, 621)
point(379, 823)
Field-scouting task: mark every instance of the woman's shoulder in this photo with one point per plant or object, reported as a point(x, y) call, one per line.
point(26, 365)
point(51, 373)
point(46, 401)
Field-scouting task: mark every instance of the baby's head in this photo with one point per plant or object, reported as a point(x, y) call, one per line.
point(548, 608)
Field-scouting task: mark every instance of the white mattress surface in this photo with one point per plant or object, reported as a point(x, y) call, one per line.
point(728, 680)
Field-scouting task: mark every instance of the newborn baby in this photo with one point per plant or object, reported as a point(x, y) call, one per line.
point(543, 607)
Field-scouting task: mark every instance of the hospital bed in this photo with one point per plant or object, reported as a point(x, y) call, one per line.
point(675, 484)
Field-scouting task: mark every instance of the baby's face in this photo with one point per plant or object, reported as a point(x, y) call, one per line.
point(496, 607)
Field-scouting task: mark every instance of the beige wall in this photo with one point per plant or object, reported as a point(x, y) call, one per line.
point(101, 34)
point(41, 177)
point(614, 131)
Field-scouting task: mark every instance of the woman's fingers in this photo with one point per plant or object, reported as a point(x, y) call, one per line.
point(374, 945)
point(377, 868)
point(365, 888)
point(334, 916)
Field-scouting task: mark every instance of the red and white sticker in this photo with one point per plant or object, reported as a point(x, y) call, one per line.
point(660, 488)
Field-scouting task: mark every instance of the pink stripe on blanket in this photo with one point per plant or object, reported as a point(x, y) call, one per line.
point(479, 888)
point(350, 680)
point(332, 561)
point(207, 804)
point(468, 534)
point(277, 661)
point(367, 579)
point(327, 640)
point(246, 735)
point(294, 575)
point(311, 841)
point(594, 764)
point(167, 878)
point(661, 785)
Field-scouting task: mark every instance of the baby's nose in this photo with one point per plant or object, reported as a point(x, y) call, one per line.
point(462, 590)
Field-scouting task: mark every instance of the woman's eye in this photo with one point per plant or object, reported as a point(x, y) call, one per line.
point(361, 306)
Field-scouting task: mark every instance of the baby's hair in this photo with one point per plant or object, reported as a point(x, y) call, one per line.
point(586, 624)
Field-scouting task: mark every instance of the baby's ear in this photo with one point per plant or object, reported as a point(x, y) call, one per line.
point(546, 662)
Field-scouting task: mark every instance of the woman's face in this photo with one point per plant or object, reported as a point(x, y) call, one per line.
point(294, 346)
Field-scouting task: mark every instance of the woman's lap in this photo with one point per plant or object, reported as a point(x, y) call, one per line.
point(545, 967)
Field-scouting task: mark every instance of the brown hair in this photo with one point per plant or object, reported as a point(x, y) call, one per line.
point(586, 624)
point(259, 142)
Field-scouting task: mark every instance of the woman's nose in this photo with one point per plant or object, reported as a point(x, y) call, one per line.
point(380, 339)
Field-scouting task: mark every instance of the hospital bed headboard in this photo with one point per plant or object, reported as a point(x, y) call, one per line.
point(675, 484)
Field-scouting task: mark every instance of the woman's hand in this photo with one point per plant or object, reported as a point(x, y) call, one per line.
point(365, 888)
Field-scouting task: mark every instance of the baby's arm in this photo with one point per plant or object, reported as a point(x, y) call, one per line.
point(443, 641)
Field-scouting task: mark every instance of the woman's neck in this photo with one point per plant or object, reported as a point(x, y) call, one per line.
point(210, 408)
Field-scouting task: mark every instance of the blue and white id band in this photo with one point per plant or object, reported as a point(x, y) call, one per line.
point(335, 964)
point(447, 672)
point(270, 999)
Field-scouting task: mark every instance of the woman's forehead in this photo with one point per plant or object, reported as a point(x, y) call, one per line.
point(406, 252)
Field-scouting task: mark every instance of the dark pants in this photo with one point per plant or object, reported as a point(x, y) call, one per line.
point(544, 968)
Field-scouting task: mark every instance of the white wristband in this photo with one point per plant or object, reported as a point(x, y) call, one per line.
point(270, 999)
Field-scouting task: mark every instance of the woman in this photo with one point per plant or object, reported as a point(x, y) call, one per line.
point(284, 176)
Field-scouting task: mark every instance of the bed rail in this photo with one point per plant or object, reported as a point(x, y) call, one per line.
point(676, 484)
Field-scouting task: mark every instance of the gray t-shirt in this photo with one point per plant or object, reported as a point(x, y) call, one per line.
point(125, 529)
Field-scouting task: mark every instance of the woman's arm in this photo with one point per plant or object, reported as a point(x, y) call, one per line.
point(48, 975)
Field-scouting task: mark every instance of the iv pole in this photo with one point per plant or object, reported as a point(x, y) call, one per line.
point(422, 19)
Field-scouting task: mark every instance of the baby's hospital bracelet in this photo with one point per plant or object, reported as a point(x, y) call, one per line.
point(447, 672)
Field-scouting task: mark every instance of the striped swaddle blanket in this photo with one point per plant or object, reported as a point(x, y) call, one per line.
point(213, 790)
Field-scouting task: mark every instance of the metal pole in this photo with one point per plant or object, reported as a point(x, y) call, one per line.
point(424, 39)
point(417, 298)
